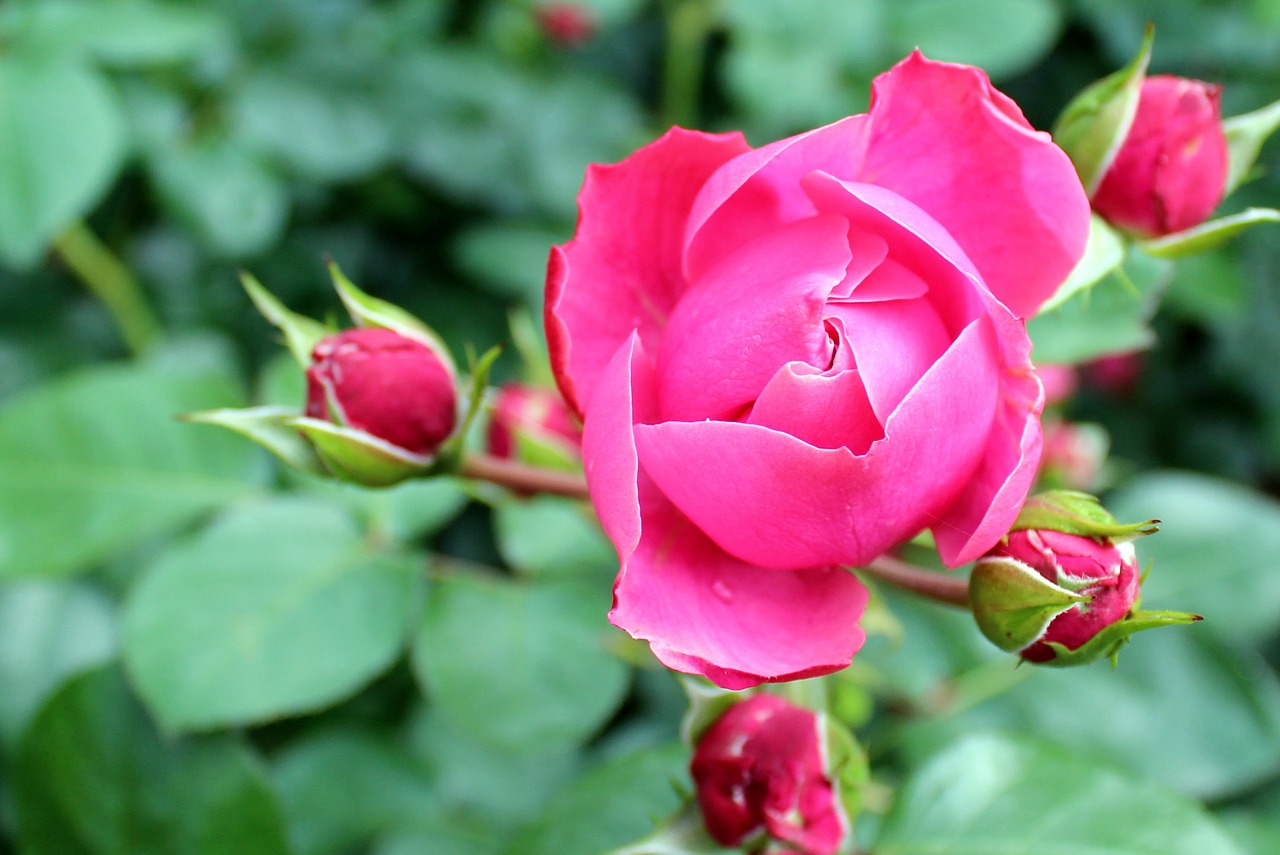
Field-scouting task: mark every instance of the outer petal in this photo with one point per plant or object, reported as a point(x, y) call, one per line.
point(705, 612)
point(757, 310)
point(945, 138)
point(756, 192)
point(621, 272)
point(773, 500)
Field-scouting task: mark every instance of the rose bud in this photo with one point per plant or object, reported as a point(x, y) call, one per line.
point(566, 24)
point(533, 425)
point(1102, 575)
point(1171, 170)
point(760, 773)
point(1073, 455)
point(1061, 588)
point(385, 384)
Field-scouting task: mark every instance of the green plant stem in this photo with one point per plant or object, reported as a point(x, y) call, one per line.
point(688, 23)
point(951, 590)
point(108, 279)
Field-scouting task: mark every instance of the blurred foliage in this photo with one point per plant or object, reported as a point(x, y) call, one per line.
point(202, 654)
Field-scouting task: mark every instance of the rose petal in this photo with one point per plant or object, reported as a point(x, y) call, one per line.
point(945, 138)
point(754, 193)
point(759, 309)
point(991, 501)
point(705, 612)
point(621, 272)
point(773, 500)
point(824, 409)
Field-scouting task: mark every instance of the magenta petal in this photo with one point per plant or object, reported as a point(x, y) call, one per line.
point(608, 445)
point(754, 193)
point(622, 270)
point(760, 308)
point(705, 612)
point(821, 408)
point(945, 138)
point(773, 500)
point(990, 503)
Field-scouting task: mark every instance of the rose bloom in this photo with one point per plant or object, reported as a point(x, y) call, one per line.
point(1171, 170)
point(760, 769)
point(1105, 572)
point(386, 384)
point(790, 359)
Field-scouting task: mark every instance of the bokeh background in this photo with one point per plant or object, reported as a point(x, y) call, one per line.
point(201, 653)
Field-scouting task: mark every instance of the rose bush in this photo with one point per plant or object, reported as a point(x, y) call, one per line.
point(790, 359)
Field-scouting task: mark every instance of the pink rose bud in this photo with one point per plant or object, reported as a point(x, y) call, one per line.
point(525, 416)
point(1103, 572)
point(759, 771)
point(1073, 455)
point(1171, 171)
point(566, 24)
point(1116, 375)
point(386, 384)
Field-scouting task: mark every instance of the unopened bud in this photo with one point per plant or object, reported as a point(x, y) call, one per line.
point(533, 425)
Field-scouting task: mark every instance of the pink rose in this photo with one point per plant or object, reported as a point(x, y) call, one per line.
point(1104, 572)
point(385, 384)
point(1171, 171)
point(760, 769)
point(790, 359)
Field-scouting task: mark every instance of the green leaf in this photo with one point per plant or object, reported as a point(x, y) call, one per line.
point(227, 194)
point(278, 608)
point(94, 778)
point(959, 31)
point(48, 631)
point(617, 802)
point(994, 794)
point(98, 453)
point(1181, 707)
point(518, 664)
point(1215, 553)
point(1102, 255)
point(508, 259)
point(62, 141)
point(342, 787)
point(546, 536)
point(1245, 137)
point(1111, 317)
point(1209, 235)
point(1094, 125)
point(126, 33)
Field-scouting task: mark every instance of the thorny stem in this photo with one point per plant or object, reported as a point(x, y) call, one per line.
point(108, 279)
point(952, 590)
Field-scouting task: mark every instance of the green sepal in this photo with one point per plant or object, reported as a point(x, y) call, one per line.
point(1094, 124)
point(1110, 639)
point(1073, 512)
point(1103, 254)
point(451, 451)
point(360, 457)
point(301, 334)
point(1013, 604)
point(367, 311)
point(1246, 134)
point(269, 427)
point(546, 451)
point(848, 766)
point(707, 702)
point(1207, 235)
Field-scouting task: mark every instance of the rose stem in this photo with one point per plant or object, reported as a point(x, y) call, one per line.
point(108, 279)
point(952, 590)
point(522, 477)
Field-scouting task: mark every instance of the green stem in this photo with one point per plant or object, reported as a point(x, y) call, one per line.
point(688, 23)
point(108, 279)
